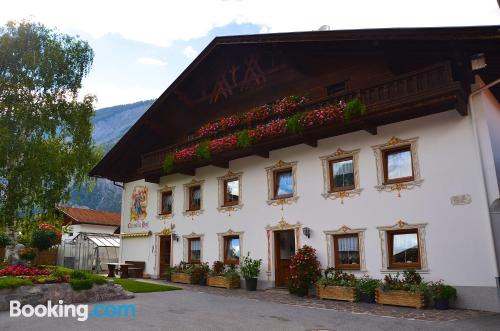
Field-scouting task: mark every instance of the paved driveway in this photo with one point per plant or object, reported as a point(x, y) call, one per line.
point(190, 310)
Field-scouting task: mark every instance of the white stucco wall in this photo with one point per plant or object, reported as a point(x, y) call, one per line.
point(458, 240)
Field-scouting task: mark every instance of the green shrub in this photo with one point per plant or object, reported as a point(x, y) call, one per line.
point(81, 284)
point(368, 285)
point(243, 139)
point(293, 124)
point(13, 282)
point(354, 108)
point(99, 280)
point(168, 163)
point(439, 290)
point(203, 151)
point(249, 267)
point(44, 239)
point(78, 274)
point(4, 240)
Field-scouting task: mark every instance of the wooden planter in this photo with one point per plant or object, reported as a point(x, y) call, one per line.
point(400, 298)
point(181, 278)
point(221, 281)
point(343, 293)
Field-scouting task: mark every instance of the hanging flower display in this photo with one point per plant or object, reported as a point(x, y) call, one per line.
point(289, 120)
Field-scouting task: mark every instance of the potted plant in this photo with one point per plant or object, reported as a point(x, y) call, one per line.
point(337, 285)
point(366, 289)
point(304, 271)
point(442, 294)
point(168, 274)
point(408, 291)
point(28, 254)
point(199, 273)
point(182, 273)
point(250, 270)
point(223, 276)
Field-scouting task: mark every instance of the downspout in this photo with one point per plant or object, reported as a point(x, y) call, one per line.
point(478, 148)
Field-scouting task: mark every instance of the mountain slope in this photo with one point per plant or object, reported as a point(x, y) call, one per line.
point(110, 124)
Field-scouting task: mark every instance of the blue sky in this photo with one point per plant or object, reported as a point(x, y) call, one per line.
point(142, 46)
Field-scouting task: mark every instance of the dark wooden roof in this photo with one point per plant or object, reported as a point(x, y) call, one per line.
point(179, 110)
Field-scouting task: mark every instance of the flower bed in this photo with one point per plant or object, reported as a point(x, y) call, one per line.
point(20, 270)
point(222, 281)
point(223, 276)
point(182, 278)
point(408, 290)
point(181, 273)
point(400, 298)
point(337, 285)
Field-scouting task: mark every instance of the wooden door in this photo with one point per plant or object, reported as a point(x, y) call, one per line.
point(284, 249)
point(165, 251)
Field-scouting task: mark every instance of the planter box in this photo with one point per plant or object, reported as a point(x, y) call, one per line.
point(336, 293)
point(400, 298)
point(221, 281)
point(181, 278)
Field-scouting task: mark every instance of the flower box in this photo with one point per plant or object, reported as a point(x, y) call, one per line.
point(343, 293)
point(178, 277)
point(221, 281)
point(400, 298)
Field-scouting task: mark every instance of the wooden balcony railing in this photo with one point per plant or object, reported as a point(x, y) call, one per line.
point(377, 97)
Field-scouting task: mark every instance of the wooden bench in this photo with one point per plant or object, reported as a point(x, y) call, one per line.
point(136, 269)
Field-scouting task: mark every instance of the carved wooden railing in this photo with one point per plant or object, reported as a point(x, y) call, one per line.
point(375, 96)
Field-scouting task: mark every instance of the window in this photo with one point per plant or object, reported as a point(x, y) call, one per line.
point(167, 199)
point(398, 165)
point(232, 250)
point(231, 192)
point(341, 174)
point(194, 250)
point(403, 249)
point(283, 183)
point(346, 248)
point(195, 197)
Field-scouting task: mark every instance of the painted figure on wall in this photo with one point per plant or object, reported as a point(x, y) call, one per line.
point(139, 203)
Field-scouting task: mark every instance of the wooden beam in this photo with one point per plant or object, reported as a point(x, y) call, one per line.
point(461, 106)
point(261, 152)
point(220, 163)
point(152, 179)
point(309, 141)
point(370, 128)
point(187, 171)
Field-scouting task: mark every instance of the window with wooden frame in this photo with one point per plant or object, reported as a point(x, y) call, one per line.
point(231, 249)
point(346, 251)
point(194, 250)
point(231, 192)
point(403, 249)
point(283, 183)
point(342, 174)
point(194, 198)
point(167, 200)
point(398, 165)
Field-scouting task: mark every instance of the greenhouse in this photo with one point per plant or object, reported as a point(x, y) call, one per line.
point(89, 251)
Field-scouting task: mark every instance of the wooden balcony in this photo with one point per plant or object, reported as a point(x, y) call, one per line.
point(419, 93)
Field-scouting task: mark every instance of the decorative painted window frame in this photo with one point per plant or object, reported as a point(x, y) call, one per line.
point(338, 155)
point(228, 209)
point(185, 245)
point(186, 211)
point(330, 246)
point(221, 237)
point(165, 188)
point(270, 182)
point(402, 225)
point(395, 142)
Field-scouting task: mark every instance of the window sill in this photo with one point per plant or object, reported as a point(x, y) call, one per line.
point(192, 213)
point(165, 216)
point(229, 208)
point(399, 186)
point(286, 200)
point(333, 195)
point(391, 271)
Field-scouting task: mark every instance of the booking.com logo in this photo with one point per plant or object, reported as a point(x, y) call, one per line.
point(80, 312)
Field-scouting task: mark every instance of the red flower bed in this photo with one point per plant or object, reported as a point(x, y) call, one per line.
point(305, 269)
point(223, 144)
point(322, 115)
point(23, 271)
point(268, 130)
point(186, 154)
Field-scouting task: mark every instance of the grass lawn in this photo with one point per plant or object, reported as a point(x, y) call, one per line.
point(143, 287)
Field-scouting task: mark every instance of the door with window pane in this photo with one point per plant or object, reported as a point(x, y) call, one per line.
point(165, 253)
point(284, 249)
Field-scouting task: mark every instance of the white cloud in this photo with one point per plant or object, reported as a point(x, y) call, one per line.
point(151, 61)
point(189, 52)
point(161, 22)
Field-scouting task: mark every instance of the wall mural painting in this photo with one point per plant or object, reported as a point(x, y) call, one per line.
point(138, 212)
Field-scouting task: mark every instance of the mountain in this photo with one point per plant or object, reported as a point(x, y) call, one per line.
point(110, 124)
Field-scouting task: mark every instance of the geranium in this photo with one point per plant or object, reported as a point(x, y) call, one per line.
point(21, 270)
point(45, 236)
point(305, 270)
point(186, 154)
point(271, 129)
point(288, 105)
point(223, 144)
point(322, 115)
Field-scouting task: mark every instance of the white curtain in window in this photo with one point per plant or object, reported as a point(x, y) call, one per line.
point(348, 244)
point(195, 245)
point(197, 194)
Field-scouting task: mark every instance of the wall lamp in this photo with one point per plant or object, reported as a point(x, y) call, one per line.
point(307, 232)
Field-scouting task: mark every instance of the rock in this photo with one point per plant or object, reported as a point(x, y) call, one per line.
point(40, 294)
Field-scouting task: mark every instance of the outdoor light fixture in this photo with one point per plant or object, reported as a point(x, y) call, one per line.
point(307, 232)
point(175, 236)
